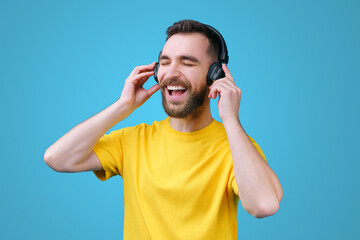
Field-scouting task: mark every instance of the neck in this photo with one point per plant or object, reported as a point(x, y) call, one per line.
point(195, 121)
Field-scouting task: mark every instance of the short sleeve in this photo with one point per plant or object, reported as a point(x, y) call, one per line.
point(232, 176)
point(258, 148)
point(109, 151)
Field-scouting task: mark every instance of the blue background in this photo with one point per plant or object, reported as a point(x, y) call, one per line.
point(296, 62)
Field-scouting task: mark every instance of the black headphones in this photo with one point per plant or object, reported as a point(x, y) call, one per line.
point(215, 71)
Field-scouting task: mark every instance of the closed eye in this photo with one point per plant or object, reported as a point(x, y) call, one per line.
point(188, 64)
point(163, 63)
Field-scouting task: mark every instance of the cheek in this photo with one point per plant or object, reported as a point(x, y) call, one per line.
point(160, 73)
point(198, 79)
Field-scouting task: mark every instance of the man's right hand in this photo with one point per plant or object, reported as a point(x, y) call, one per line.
point(133, 94)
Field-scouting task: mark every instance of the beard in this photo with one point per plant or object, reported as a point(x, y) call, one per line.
point(181, 110)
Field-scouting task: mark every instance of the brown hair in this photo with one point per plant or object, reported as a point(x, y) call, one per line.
point(191, 26)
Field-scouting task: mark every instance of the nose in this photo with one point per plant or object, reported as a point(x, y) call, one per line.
point(170, 71)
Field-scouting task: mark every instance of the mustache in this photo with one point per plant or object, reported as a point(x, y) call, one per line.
point(173, 81)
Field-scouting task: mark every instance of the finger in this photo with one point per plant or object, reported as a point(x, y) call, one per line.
point(141, 82)
point(153, 89)
point(143, 68)
point(213, 92)
point(223, 80)
point(229, 83)
point(227, 71)
point(219, 88)
point(141, 78)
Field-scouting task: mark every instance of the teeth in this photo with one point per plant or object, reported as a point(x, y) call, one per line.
point(176, 88)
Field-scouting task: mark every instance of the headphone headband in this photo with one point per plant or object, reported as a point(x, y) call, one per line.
point(224, 57)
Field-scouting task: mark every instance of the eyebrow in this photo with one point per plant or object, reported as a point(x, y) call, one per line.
point(182, 57)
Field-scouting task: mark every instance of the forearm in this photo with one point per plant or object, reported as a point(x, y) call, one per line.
point(259, 189)
point(77, 144)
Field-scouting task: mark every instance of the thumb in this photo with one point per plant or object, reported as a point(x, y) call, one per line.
point(153, 89)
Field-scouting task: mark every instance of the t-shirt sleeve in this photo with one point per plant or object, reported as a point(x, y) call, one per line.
point(109, 151)
point(232, 176)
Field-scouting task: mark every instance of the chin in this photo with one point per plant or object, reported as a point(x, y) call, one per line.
point(184, 109)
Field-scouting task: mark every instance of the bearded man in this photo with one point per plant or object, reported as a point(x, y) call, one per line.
point(182, 176)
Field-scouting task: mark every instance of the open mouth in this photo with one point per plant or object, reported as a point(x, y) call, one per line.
point(176, 90)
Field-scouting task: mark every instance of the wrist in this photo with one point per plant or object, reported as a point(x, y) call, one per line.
point(232, 124)
point(230, 121)
point(123, 110)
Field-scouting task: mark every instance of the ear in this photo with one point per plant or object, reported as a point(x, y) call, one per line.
point(215, 72)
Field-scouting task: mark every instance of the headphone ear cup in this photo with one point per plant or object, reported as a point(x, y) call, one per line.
point(156, 68)
point(215, 72)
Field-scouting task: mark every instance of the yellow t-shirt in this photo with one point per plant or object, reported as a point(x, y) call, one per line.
point(177, 185)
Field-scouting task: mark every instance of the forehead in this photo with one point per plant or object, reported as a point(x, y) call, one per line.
point(190, 44)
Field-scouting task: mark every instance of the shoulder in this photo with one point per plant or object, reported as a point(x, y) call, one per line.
point(219, 129)
point(143, 127)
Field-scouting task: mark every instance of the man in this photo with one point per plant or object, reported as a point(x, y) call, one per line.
point(182, 176)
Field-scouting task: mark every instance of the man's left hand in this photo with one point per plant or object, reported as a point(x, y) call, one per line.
point(229, 96)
